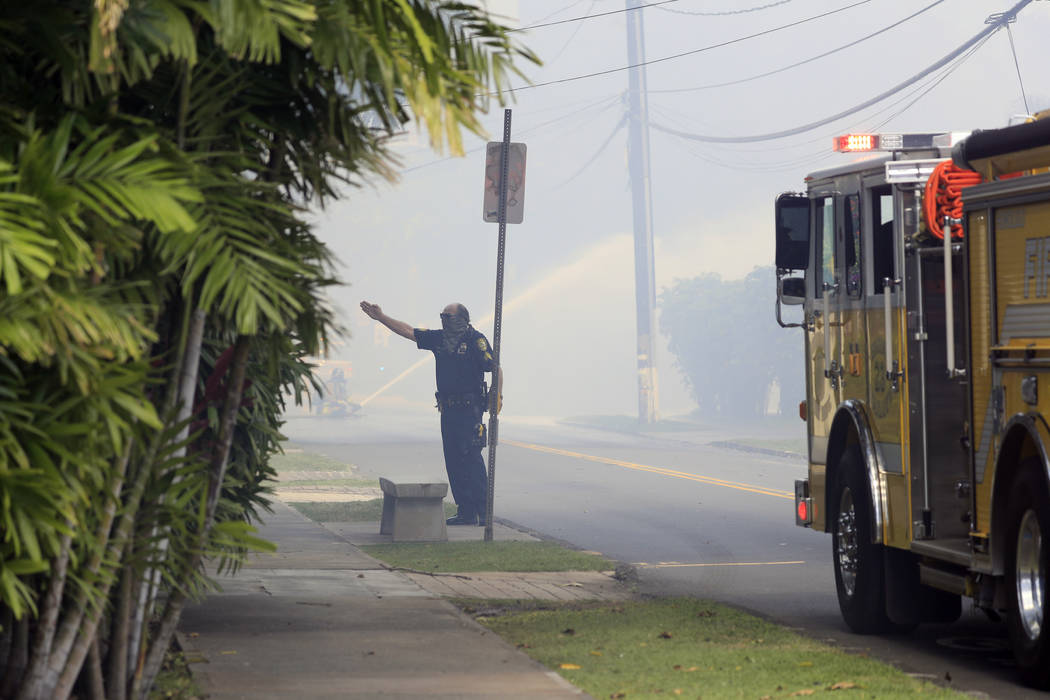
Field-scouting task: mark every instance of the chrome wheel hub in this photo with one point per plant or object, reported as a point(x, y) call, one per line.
point(846, 542)
point(1030, 575)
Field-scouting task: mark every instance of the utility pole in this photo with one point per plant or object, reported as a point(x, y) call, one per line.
point(642, 202)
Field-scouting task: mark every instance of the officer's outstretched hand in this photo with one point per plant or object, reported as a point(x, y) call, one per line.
point(371, 310)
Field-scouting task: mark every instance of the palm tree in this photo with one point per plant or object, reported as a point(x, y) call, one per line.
point(160, 289)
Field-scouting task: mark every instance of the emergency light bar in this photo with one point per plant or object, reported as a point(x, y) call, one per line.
point(851, 143)
point(862, 143)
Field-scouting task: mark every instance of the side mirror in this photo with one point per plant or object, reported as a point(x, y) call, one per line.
point(792, 231)
point(792, 291)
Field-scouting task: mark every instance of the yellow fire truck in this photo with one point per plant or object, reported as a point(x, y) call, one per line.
point(923, 277)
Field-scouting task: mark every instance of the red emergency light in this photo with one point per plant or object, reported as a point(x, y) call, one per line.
point(803, 511)
point(854, 143)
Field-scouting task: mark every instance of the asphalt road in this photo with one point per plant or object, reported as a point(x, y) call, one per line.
point(695, 519)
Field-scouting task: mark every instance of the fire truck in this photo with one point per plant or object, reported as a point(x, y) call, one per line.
point(922, 276)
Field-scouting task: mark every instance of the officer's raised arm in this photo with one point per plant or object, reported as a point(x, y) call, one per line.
point(400, 327)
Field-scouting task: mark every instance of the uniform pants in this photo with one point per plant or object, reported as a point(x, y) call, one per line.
point(463, 462)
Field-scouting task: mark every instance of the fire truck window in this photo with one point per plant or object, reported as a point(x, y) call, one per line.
point(882, 236)
point(825, 224)
point(851, 242)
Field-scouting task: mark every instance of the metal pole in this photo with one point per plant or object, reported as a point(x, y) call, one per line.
point(497, 330)
point(642, 202)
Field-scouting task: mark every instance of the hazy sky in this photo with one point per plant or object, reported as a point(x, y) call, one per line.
point(568, 334)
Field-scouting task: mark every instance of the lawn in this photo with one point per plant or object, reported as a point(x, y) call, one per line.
point(487, 556)
point(679, 647)
point(297, 459)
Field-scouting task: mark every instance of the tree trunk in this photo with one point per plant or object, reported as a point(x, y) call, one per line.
point(41, 686)
point(173, 610)
point(61, 678)
point(220, 458)
point(187, 371)
point(17, 659)
point(118, 637)
point(96, 686)
point(7, 621)
point(47, 623)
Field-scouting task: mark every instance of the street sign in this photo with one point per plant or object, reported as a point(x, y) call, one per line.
point(515, 182)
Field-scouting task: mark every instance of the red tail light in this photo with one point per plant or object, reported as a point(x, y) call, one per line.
point(803, 504)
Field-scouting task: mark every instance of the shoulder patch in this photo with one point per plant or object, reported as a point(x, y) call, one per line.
point(483, 345)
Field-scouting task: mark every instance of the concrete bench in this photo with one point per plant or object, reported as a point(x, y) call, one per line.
point(413, 512)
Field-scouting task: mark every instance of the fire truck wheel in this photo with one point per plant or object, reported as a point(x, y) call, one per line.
point(1027, 570)
point(858, 561)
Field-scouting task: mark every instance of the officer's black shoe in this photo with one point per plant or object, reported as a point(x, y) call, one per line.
point(462, 519)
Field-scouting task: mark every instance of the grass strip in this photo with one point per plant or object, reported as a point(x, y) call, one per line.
point(487, 556)
point(679, 647)
point(349, 511)
point(175, 682)
point(341, 483)
point(299, 459)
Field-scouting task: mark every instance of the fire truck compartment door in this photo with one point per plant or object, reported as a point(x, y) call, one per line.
point(884, 319)
point(824, 341)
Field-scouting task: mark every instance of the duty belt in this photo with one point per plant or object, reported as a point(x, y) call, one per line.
point(457, 400)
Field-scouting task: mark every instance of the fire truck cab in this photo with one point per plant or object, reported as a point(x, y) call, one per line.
point(923, 281)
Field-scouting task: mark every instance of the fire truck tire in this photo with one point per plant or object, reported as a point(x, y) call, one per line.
point(1027, 572)
point(858, 561)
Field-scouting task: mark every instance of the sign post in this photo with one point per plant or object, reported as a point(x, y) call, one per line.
point(504, 175)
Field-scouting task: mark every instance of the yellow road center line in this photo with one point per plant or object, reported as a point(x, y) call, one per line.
point(656, 470)
point(727, 563)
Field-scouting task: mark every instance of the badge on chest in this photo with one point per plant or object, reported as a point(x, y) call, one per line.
point(462, 350)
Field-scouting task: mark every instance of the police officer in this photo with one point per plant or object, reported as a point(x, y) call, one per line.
point(462, 356)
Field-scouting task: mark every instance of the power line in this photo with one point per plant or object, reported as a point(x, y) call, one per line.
point(764, 165)
point(601, 149)
point(808, 60)
point(564, 9)
point(925, 90)
point(724, 13)
point(589, 16)
point(735, 149)
point(571, 37)
point(914, 96)
point(604, 103)
point(992, 28)
point(1013, 50)
point(642, 7)
point(680, 55)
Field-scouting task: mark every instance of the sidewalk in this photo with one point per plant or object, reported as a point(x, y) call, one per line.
point(319, 618)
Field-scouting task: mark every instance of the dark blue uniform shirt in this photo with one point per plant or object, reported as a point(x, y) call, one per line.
point(460, 371)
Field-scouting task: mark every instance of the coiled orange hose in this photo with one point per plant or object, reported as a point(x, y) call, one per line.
point(943, 196)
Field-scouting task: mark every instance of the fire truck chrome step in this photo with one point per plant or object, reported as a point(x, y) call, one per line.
point(943, 579)
point(955, 550)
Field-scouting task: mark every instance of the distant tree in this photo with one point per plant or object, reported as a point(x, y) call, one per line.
point(728, 345)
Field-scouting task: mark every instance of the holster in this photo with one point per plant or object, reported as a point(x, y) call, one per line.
point(480, 436)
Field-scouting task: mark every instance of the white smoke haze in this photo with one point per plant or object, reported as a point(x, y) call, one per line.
point(569, 314)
